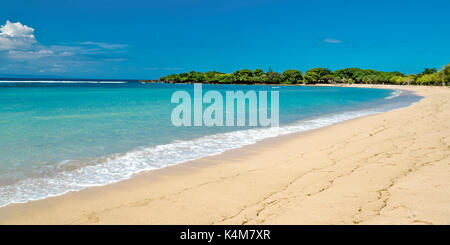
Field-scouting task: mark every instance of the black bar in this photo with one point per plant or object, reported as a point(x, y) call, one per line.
point(230, 234)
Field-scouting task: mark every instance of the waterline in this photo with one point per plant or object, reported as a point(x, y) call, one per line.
point(117, 167)
point(58, 138)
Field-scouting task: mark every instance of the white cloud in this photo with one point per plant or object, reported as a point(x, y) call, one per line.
point(104, 45)
point(115, 59)
point(25, 55)
point(332, 40)
point(66, 53)
point(20, 52)
point(16, 30)
point(15, 36)
point(19, 42)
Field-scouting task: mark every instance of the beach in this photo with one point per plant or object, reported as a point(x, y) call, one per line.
point(387, 168)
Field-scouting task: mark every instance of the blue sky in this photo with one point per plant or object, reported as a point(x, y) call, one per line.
point(147, 39)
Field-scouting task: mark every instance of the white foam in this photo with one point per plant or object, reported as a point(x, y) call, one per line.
point(394, 94)
point(122, 166)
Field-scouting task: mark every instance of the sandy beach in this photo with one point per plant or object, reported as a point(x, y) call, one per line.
point(388, 168)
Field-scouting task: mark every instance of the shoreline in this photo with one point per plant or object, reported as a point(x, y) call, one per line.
point(165, 189)
point(60, 184)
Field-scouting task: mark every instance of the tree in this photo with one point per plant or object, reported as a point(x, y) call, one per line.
point(194, 76)
point(225, 78)
point(273, 77)
point(292, 76)
point(258, 76)
point(317, 75)
point(397, 73)
point(428, 71)
point(403, 80)
point(258, 73)
point(445, 74)
point(211, 76)
point(171, 78)
point(356, 74)
point(244, 76)
point(369, 79)
point(430, 76)
point(429, 79)
point(331, 78)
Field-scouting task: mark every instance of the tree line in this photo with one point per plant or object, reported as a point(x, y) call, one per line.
point(430, 76)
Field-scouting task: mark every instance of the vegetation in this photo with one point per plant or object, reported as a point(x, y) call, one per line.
point(430, 76)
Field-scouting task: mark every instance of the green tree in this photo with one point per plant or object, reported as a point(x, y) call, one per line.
point(370, 79)
point(211, 76)
point(430, 76)
point(171, 78)
point(292, 76)
point(258, 76)
point(257, 73)
point(316, 75)
point(184, 77)
point(445, 75)
point(429, 79)
point(225, 78)
point(331, 78)
point(428, 71)
point(355, 74)
point(407, 80)
point(243, 76)
point(196, 77)
point(273, 77)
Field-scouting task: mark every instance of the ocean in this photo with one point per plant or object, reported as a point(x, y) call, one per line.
point(61, 136)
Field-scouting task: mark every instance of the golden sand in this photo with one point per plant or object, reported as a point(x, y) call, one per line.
point(389, 168)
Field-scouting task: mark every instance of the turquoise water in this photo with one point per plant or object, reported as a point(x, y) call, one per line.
point(60, 137)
